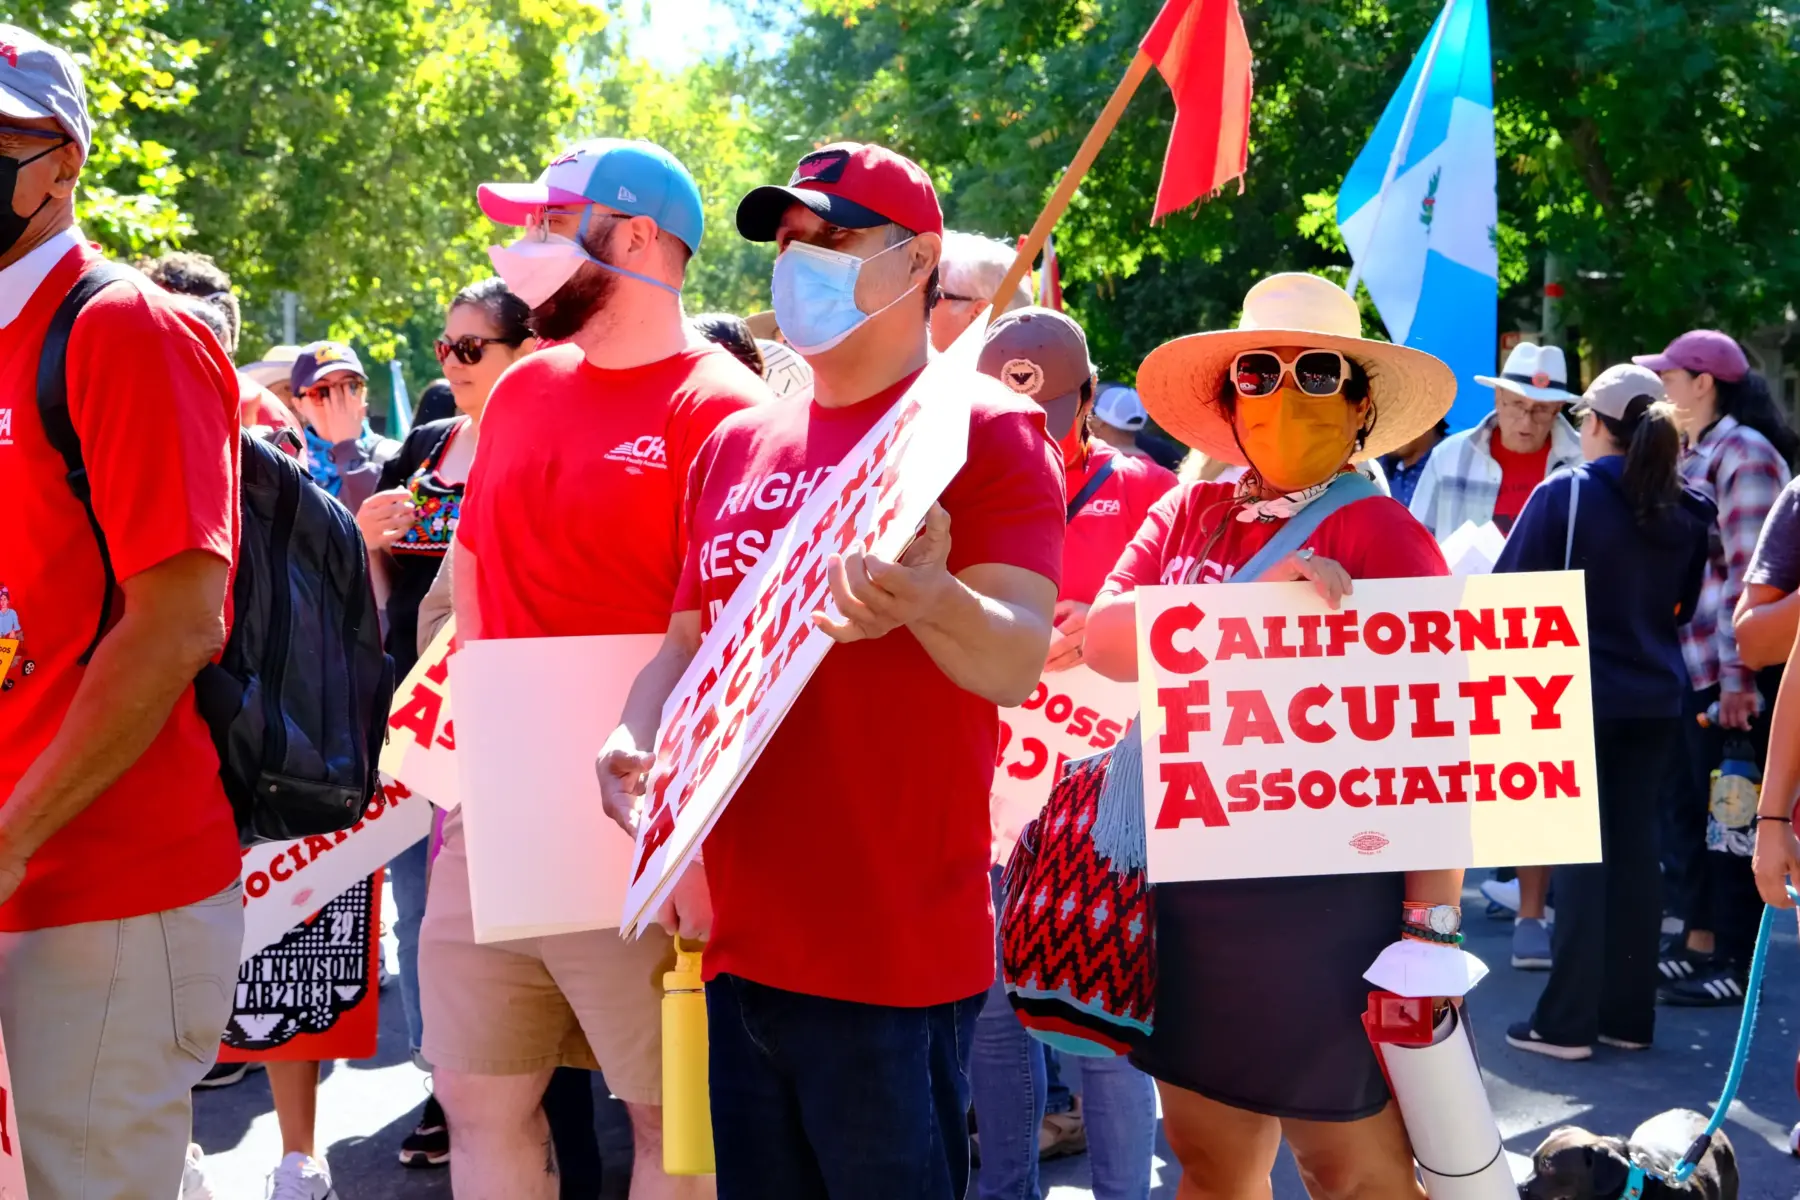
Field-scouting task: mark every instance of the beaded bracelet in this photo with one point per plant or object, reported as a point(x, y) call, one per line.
point(1420, 934)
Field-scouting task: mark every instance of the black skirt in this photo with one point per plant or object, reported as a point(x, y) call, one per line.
point(1260, 993)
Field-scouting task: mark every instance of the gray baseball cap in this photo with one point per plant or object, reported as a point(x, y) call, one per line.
point(1037, 352)
point(38, 80)
point(1615, 388)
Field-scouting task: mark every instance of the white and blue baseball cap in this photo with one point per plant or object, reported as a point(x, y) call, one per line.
point(640, 178)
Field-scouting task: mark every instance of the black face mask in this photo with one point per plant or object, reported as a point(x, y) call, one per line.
point(12, 225)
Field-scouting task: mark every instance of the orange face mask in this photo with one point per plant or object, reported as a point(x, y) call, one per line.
point(1294, 440)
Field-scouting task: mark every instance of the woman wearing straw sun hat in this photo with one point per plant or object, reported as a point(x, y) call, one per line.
point(1260, 993)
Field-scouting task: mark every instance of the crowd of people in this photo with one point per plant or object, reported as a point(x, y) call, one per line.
point(582, 470)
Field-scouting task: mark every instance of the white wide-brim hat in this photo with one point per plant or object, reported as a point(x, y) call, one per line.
point(1180, 382)
point(1538, 373)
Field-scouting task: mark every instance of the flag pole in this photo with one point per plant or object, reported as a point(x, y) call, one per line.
point(1404, 141)
point(1071, 178)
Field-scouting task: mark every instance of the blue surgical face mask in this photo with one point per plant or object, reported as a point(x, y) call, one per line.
point(815, 296)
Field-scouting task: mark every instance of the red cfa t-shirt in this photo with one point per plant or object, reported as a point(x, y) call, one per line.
point(853, 861)
point(155, 403)
point(1108, 520)
point(1373, 538)
point(1519, 476)
point(573, 507)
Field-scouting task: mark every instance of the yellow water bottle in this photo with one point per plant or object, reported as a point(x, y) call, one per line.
point(687, 1105)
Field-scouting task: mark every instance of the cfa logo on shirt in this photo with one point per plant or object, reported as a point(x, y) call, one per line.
point(1105, 508)
point(640, 454)
point(5, 426)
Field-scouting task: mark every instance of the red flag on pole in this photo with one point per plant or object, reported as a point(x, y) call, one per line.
point(1202, 51)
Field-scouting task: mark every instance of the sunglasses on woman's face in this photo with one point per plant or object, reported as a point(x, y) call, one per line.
point(468, 348)
point(1316, 372)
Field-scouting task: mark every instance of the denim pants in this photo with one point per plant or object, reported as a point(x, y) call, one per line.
point(408, 874)
point(1011, 1080)
point(819, 1099)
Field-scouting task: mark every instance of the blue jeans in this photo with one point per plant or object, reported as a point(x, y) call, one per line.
point(817, 1099)
point(408, 874)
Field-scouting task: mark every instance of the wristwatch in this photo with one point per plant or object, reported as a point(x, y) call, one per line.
point(1438, 922)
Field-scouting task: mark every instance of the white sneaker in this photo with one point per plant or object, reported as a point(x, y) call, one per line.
point(1506, 895)
point(300, 1178)
point(193, 1176)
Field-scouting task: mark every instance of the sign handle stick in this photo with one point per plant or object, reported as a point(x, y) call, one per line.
point(1403, 142)
point(1071, 179)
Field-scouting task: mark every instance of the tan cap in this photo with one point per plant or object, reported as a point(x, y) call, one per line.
point(1615, 388)
point(1037, 352)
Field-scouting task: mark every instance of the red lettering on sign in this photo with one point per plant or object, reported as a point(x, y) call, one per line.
point(1168, 623)
point(1273, 629)
point(1184, 712)
point(1188, 794)
point(1242, 790)
point(1420, 786)
point(1384, 792)
point(1250, 718)
point(1349, 785)
point(1559, 779)
point(1236, 640)
point(1278, 786)
point(1343, 630)
point(1483, 693)
point(1543, 695)
point(1431, 631)
point(419, 714)
point(1515, 628)
point(1473, 627)
point(660, 828)
point(1037, 757)
point(1317, 789)
point(439, 671)
point(257, 886)
point(279, 871)
point(1304, 727)
point(1454, 774)
point(316, 846)
point(1518, 781)
point(1484, 782)
point(1381, 725)
point(448, 739)
point(1309, 636)
point(1384, 633)
point(1426, 722)
point(1554, 628)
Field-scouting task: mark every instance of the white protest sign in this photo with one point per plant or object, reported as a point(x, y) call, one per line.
point(1429, 723)
point(420, 750)
point(12, 1166)
point(763, 646)
point(1473, 549)
point(544, 858)
point(286, 882)
point(1071, 714)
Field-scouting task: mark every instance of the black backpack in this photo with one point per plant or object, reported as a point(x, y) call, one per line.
point(298, 702)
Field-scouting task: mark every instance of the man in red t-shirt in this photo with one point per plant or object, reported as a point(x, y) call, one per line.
point(571, 526)
point(853, 935)
point(120, 915)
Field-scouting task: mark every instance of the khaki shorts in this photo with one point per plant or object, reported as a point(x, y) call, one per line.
point(588, 1000)
point(109, 1025)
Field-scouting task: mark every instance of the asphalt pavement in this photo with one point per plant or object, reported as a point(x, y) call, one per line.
point(366, 1108)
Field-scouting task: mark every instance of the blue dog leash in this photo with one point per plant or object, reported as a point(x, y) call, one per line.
point(1690, 1162)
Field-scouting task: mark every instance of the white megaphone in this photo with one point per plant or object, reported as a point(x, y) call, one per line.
point(1432, 1071)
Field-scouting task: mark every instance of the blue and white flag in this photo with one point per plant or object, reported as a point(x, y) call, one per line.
point(1426, 246)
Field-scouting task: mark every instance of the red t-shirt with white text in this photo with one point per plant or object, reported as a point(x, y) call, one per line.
point(573, 507)
point(1111, 516)
point(154, 401)
point(1373, 538)
point(852, 862)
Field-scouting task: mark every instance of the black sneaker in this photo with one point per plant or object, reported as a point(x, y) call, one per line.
point(428, 1145)
point(1677, 963)
point(1521, 1036)
point(1710, 987)
point(227, 1073)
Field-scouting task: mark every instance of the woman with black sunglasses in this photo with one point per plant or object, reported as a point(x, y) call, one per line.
point(408, 525)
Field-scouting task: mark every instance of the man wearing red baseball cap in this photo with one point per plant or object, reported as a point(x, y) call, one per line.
point(853, 937)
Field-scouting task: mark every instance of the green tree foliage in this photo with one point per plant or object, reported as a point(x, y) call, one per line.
point(1652, 143)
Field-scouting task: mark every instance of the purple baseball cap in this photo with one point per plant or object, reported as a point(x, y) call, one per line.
point(1701, 352)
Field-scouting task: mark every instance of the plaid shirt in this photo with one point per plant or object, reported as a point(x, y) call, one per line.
point(1461, 479)
point(1736, 466)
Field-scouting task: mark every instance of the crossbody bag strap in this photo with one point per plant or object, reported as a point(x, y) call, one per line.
point(59, 426)
point(1574, 503)
point(1345, 490)
point(1100, 476)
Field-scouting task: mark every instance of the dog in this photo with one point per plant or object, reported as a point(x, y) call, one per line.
point(1573, 1164)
